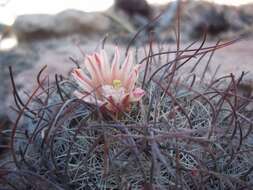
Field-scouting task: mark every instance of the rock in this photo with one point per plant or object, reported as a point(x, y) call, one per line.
point(246, 13)
point(39, 26)
point(215, 25)
point(134, 7)
point(204, 17)
point(219, 21)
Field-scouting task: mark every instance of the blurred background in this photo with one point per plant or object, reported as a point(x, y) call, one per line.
point(52, 32)
point(10, 9)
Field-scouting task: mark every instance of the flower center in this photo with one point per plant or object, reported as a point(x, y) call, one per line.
point(116, 84)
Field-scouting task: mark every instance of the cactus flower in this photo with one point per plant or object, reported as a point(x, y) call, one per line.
point(112, 85)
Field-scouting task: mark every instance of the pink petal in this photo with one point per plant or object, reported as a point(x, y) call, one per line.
point(98, 59)
point(127, 66)
point(111, 105)
point(115, 105)
point(93, 68)
point(83, 81)
point(101, 67)
point(105, 66)
point(137, 94)
point(125, 103)
point(131, 80)
point(115, 65)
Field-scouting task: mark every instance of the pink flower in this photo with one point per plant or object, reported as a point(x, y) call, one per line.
point(112, 85)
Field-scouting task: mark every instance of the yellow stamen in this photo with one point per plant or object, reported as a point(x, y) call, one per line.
point(116, 84)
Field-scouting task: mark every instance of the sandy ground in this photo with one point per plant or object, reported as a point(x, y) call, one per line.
point(235, 58)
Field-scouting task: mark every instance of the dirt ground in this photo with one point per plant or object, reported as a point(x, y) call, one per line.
point(235, 58)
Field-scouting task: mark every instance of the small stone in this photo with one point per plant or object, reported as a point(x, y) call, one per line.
point(69, 22)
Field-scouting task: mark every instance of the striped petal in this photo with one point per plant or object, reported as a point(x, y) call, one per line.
point(132, 78)
point(126, 67)
point(93, 68)
point(115, 65)
point(105, 66)
point(83, 81)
